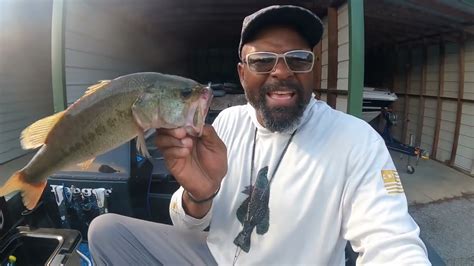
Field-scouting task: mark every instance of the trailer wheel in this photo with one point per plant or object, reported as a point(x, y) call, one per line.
point(410, 169)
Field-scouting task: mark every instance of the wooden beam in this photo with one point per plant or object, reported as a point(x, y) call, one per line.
point(444, 10)
point(425, 12)
point(335, 92)
point(421, 106)
point(389, 9)
point(447, 36)
point(405, 108)
point(454, 150)
point(332, 55)
point(378, 20)
point(318, 51)
point(454, 99)
point(413, 22)
point(393, 33)
point(439, 102)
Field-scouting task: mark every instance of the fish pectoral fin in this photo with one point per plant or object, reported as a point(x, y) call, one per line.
point(141, 145)
point(36, 134)
point(86, 164)
point(30, 193)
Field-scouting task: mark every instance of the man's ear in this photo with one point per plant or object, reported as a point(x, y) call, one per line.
point(240, 70)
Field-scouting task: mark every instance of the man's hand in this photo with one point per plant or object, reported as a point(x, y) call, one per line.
point(197, 163)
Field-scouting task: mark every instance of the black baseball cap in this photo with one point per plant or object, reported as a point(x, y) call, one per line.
point(304, 21)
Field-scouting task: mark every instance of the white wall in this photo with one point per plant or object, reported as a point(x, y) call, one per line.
point(101, 45)
point(25, 70)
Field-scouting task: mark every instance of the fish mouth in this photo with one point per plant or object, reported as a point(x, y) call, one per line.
point(198, 112)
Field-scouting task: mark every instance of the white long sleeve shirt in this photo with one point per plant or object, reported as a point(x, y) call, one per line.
point(336, 183)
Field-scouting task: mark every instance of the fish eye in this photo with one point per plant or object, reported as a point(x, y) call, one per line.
point(185, 93)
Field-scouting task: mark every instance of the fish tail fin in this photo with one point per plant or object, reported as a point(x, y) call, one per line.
point(30, 193)
point(243, 241)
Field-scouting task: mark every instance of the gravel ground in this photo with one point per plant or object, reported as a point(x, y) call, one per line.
point(449, 227)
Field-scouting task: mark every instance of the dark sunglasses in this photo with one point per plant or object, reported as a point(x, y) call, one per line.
point(298, 61)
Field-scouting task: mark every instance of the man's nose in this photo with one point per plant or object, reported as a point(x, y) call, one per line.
point(281, 70)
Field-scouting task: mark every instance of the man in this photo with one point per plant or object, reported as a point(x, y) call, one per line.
point(284, 179)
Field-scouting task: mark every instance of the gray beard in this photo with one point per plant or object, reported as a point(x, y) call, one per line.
point(280, 119)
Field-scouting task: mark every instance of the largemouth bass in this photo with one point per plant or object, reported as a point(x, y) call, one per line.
point(109, 114)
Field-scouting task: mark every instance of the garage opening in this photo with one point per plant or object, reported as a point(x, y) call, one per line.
point(423, 51)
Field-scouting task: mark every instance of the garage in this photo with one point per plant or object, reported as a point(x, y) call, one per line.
point(424, 52)
point(421, 51)
point(418, 52)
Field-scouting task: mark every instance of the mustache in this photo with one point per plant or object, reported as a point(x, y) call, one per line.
point(287, 84)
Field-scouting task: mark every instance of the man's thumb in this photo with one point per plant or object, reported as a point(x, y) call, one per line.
point(210, 139)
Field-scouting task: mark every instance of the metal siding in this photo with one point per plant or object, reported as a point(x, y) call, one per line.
point(324, 58)
point(324, 97)
point(465, 152)
point(469, 70)
point(451, 71)
point(432, 70)
point(429, 123)
point(99, 46)
point(93, 49)
point(412, 124)
point(341, 103)
point(398, 109)
point(343, 84)
point(416, 71)
point(25, 71)
point(343, 56)
point(401, 75)
point(446, 133)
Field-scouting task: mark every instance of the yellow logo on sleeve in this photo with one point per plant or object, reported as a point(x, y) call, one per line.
point(391, 181)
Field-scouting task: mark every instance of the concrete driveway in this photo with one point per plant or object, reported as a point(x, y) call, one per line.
point(441, 201)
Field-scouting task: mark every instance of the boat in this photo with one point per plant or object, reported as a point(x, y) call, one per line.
point(373, 100)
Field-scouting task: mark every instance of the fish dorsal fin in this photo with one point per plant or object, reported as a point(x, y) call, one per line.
point(95, 87)
point(35, 135)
